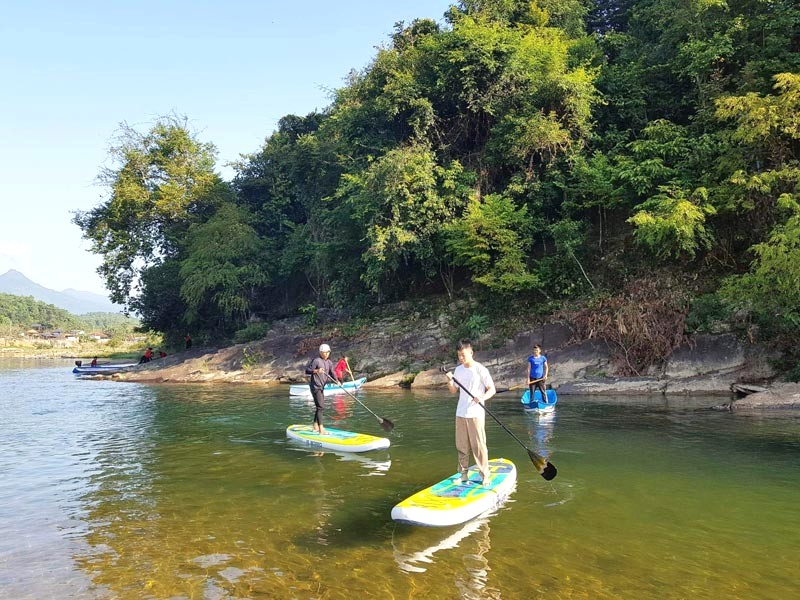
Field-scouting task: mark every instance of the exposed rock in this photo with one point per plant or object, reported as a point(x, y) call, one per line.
point(614, 386)
point(705, 385)
point(429, 378)
point(391, 350)
point(747, 388)
point(389, 381)
point(781, 395)
point(706, 354)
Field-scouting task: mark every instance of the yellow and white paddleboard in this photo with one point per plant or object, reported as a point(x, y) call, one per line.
point(336, 439)
point(451, 502)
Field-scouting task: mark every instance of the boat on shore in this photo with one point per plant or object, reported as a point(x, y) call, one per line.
point(302, 389)
point(101, 369)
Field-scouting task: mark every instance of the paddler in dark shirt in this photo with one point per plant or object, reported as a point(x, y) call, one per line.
point(320, 369)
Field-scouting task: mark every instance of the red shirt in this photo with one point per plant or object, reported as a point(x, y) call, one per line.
point(148, 353)
point(340, 368)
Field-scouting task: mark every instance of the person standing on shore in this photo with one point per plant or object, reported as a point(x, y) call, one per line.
point(319, 370)
point(537, 372)
point(470, 416)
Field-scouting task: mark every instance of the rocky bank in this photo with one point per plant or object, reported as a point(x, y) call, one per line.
point(408, 350)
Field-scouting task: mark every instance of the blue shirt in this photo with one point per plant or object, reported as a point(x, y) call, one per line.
point(537, 365)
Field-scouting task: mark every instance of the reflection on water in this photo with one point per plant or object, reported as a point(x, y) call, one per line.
point(116, 490)
point(372, 465)
point(540, 431)
point(472, 538)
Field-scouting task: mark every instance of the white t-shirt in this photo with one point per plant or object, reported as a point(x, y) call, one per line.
point(477, 380)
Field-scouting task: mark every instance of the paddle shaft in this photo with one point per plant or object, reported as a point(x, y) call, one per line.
point(380, 419)
point(349, 370)
point(491, 414)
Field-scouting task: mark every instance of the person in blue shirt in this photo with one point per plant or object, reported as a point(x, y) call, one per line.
point(538, 369)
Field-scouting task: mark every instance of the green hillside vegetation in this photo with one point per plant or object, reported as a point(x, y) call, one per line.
point(23, 312)
point(630, 164)
point(110, 323)
point(19, 313)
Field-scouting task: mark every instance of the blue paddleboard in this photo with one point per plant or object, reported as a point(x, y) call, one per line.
point(538, 405)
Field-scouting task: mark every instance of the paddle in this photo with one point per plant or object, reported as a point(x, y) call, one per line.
point(500, 390)
point(545, 468)
point(349, 370)
point(385, 423)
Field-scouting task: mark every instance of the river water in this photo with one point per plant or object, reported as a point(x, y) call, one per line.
point(120, 490)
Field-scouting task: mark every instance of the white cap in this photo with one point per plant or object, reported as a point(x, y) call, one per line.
point(324, 348)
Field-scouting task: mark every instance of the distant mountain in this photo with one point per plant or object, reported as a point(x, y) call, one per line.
point(75, 301)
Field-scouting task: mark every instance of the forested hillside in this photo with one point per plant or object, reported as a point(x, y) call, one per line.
point(19, 313)
point(22, 312)
point(630, 156)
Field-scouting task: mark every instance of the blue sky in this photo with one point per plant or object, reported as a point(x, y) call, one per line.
point(73, 71)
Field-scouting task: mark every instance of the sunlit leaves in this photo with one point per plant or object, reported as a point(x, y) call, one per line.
point(162, 182)
point(223, 266)
point(673, 222)
point(491, 239)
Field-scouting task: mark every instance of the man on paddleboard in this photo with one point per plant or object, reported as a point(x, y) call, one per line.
point(470, 416)
point(320, 369)
point(537, 370)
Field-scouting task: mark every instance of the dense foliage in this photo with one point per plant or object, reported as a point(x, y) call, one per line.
point(19, 313)
point(526, 150)
point(24, 312)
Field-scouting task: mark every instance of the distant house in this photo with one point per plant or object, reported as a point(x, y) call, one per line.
point(99, 337)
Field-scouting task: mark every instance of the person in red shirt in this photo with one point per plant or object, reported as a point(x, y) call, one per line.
point(341, 368)
point(94, 362)
point(147, 357)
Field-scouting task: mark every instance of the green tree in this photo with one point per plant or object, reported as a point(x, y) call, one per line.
point(767, 133)
point(490, 239)
point(673, 223)
point(403, 201)
point(163, 181)
point(222, 269)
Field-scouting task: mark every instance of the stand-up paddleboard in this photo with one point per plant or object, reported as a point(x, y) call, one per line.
point(537, 405)
point(451, 502)
point(330, 389)
point(336, 439)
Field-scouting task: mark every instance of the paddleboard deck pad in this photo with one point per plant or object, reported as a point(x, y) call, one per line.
point(336, 439)
point(451, 502)
point(537, 405)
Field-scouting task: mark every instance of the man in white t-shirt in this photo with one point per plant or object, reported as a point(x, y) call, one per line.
point(470, 416)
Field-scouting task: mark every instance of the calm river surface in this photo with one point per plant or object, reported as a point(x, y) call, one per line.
point(118, 490)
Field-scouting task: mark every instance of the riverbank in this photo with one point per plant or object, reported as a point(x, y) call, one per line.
point(85, 353)
point(408, 351)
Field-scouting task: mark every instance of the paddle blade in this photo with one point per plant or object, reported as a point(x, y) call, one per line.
point(546, 469)
point(386, 424)
point(549, 472)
